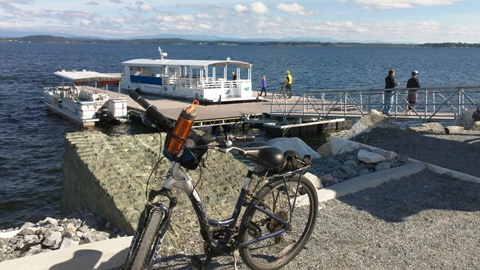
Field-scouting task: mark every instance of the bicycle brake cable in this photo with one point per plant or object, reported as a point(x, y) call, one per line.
point(150, 176)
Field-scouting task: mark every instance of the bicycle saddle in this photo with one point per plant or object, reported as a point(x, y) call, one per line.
point(264, 154)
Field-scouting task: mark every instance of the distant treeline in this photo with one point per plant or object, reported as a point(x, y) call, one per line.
point(179, 41)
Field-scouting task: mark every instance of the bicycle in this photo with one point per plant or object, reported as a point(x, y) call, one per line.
point(278, 218)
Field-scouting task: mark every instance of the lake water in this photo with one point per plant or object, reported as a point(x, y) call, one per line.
point(31, 140)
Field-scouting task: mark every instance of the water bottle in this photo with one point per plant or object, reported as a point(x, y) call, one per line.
point(182, 128)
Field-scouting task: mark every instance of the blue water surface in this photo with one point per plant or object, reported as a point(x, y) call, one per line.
point(32, 140)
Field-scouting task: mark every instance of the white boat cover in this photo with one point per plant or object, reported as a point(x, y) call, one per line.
point(191, 63)
point(83, 76)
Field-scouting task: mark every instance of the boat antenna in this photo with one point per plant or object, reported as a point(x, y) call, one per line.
point(162, 54)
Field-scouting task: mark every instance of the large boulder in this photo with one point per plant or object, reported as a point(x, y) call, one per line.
point(476, 125)
point(464, 119)
point(294, 143)
point(432, 127)
point(368, 122)
point(325, 149)
point(455, 129)
point(342, 145)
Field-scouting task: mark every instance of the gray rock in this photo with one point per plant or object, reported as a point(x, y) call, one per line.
point(476, 125)
point(431, 127)
point(382, 166)
point(455, 129)
point(45, 236)
point(53, 240)
point(296, 144)
point(49, 221)
point(325, 149)
point(368, 122)
point(464, 119)
point(369, 157)
point(67, 242)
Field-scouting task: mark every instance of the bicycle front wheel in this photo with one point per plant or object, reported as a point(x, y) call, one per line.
point(143, 250)
point(292, 199)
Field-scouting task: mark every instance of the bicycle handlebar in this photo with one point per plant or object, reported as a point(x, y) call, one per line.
point(160, 121)
point(230, 137)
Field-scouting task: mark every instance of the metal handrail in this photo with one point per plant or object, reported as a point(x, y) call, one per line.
point(433, 102)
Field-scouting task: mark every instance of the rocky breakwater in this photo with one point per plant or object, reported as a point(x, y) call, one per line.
point(342, 159)
point(81, 227)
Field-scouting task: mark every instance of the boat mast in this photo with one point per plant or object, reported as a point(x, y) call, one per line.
point(162, 54)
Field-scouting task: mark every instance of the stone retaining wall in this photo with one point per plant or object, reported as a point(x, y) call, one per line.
point(109, 176)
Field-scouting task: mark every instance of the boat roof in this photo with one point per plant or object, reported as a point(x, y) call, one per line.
point(81, 76)
point(190, 63)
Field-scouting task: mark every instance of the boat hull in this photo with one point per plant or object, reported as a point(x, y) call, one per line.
point(83, 106)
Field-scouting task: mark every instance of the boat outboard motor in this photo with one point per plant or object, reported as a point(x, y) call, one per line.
point(105, 115)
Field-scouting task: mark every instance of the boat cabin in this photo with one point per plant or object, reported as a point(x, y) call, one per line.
point(204, 80)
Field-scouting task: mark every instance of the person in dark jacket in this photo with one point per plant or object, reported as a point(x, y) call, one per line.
point(389, 85)
point(412, 93)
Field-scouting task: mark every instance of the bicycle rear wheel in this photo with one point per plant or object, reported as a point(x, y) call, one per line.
point(278, 197)
point(143, 247)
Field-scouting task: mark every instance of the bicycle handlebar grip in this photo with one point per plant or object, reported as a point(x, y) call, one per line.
point(162, 122)
point(137, 98)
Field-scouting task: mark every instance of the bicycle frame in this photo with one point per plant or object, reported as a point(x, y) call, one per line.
point(178, 178)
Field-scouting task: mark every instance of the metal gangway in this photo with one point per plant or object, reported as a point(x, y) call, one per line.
point(434, 103)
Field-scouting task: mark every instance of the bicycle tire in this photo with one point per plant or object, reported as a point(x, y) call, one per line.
point(143, 248)
point(276, 252)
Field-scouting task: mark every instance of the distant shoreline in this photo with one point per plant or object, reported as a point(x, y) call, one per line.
point(179, 41)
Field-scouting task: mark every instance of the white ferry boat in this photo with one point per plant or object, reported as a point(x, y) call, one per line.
point(82, 103)
point(204, 80)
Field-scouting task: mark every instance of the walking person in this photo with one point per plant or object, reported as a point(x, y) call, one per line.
point(389, 85)
point(412, 93)
point(234, 79)
point(288, 84)
point(264, 86)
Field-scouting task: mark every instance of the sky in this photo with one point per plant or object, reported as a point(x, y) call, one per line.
point(396, 21)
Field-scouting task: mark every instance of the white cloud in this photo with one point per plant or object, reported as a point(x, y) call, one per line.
point(259, 8)
point(204, 26)
point(116, 20)
point(294, 9)
point(382, 4)
point(16, 1)
point(86, 22)
point(143, 7)
point(240, 8)
point(176, 18)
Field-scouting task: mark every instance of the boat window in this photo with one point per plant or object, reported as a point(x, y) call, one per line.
point(195, 72)
point(157, 71)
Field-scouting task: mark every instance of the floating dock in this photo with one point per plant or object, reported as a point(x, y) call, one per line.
point(256, 113)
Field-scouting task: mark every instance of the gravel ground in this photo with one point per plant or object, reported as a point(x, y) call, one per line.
point(425, 221)
point(457, 152)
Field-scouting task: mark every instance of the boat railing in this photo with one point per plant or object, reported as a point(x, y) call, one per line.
point(433, 103)
point(221, 83)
